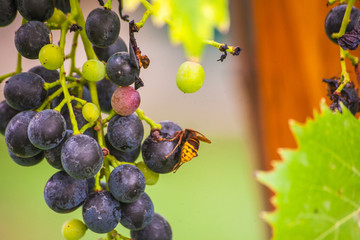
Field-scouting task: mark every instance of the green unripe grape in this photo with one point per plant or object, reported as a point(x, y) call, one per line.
point(73, 229)
point(151, 177)
point(90, 112)
point(190, 77)
point(57, 18)
point(51, 56)
point(93, 70)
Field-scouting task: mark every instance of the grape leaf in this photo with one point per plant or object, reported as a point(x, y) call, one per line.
point(317, 185)
point(192, 21)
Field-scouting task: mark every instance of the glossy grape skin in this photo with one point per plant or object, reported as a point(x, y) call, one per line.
point(51, 56)
point(101, 212)
point(47, 129)
point(81, 156)
point(53, 155)
point(138, 214)
point(93, 70)
point(25, 91)
point(120, 69)
point(151, 177)
point(334, 19)
point(47, 75)
point(73, 229)
point(40, 10)
point(190, 77)
point(154, 151)
point(31, 37)
point(102, 27)
point(122, 156)
point(125, 133)
point(16, 136)
point(125, 100)
point(26, 162)
point(8, 12)
point(105, 53)
point(158, 229)
point(6, 114)
point(105, 89)
point(63, 193)
point(126, 183)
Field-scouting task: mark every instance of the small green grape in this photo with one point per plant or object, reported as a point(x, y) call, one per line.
point(190, 77)
point(73, 229)
point(51, 56)
point(93, 70)
point(151, 177)
point(90, 112)
point(57, 18)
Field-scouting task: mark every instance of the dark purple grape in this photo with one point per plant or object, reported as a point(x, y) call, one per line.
point(121, 70)
point(158, 229)
point(31, 37)
point(121, 155)
point(40, 10)
point(63, 5)
point(154, 152)
point(49, 76)
point(334, 19)
point(81, 156)
point(7, 12)
point(101, 212)
point(26, 162)
point(125, 133)
point(126, 183)
point(25, 91)
point(53, 155)
point(102, 27)
point(16, 136)
point(63, 193)
point(138, 214)
point(105, 89)
point(47, 129)
point(104, 53)
point(6, 114)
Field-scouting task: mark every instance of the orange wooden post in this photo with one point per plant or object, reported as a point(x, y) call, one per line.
point(292, 56)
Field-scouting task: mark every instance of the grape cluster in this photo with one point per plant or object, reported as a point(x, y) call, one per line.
point(52, 114)
point(341, 90)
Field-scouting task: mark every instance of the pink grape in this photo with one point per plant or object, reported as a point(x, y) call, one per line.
point(125, 100)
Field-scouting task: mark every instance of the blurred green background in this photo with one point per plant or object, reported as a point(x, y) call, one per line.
point(215, 196)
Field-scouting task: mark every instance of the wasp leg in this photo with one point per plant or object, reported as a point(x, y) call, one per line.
point(177, 166)
point(177, 145)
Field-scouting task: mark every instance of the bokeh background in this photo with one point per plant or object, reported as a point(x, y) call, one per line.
point(243, 107)
point(213, 197)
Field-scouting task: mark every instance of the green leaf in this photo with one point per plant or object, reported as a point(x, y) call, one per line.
point(317, 186)
point(192, 21)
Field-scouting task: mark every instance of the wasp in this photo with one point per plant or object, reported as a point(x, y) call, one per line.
point(189, 142)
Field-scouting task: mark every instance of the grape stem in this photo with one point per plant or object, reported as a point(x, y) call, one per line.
point(345, 78)
point(152, 123)
point(235, 51)
point(354, 60)
point(345, 20)
point(111, 115)
point(108, 4)
point(18, 69)
point(114, 162)
point(86, 126)
point(54, 95)
point(72, 55)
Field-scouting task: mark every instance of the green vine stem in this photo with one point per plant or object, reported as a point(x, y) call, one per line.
point(18, 69)
point(145, 16)
point(345, 20)
point(54, 95)
point(114, 162)
point(86, 126)
point(230, 49)
point(345, 78)
point(354, 60)
point(73, 68)
point(47, 85)
point(152, 123)
point(79, 17)
point(111, 115)
point(108, 4)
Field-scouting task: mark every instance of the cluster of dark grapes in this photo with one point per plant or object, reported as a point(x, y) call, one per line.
point(42, 107)
point(348, 94)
